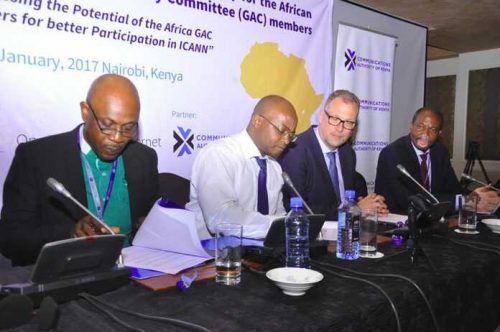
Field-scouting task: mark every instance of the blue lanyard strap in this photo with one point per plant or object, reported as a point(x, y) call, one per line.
point(93, 187)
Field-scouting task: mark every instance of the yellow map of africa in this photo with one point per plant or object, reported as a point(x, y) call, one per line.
point(266, 70)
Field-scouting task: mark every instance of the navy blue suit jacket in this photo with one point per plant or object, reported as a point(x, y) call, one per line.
point(305, 164)
point(33, 214)
point(396, 188)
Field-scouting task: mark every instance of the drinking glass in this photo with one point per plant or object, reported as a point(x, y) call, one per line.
point(467, 214)
point(368, 225)
point(228, 252)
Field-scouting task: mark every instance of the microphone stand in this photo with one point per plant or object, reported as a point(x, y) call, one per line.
point(413, 244)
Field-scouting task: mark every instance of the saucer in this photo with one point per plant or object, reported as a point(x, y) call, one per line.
point(458, 230)
point(378, 254)
point(493, 224)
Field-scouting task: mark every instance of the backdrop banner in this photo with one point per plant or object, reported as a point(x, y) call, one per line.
point(364, 65)
point(200, 66)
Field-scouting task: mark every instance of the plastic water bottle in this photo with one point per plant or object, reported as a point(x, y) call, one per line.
point(348, 228)
point(297, 235)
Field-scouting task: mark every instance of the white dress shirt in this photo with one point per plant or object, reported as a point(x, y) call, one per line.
point(224, 184)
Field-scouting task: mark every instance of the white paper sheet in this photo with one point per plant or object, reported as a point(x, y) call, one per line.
point(159, 260)
point(393, 218)
point(167, 241)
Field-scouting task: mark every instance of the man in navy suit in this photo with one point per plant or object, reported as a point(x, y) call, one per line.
point(428, 161)
point(322, 164)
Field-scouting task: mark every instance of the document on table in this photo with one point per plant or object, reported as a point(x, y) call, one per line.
point(393, 218)
point(167, 241)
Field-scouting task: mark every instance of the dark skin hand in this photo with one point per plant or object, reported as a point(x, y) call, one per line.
point(88, 226)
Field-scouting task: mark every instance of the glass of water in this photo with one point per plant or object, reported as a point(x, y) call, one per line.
point(228, 251)
point(368, 224)
point(467, 214)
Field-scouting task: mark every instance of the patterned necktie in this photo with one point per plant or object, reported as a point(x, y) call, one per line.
point(334, 176)
point(424, 171)
point(262, 201)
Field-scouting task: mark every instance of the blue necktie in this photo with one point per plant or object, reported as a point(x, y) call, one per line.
point(262, 201)
point(334, 176)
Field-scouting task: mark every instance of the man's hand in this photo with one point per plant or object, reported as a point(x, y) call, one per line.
point(488, 200)
point(88, 226)
point(373, 201)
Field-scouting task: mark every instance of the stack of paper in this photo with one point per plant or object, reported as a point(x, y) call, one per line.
point(167, 241)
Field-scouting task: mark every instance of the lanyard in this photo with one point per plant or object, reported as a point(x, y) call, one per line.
point(93, 187)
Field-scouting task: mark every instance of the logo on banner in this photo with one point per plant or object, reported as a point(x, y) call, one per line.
point(184, 141)
point(350, 59)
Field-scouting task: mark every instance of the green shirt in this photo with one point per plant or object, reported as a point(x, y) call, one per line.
point(117, 212)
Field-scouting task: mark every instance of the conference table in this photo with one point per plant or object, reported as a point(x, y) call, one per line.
point(459, 275)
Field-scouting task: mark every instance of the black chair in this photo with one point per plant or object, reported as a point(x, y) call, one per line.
point(174, 188)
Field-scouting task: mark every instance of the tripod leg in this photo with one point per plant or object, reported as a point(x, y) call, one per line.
point(488, 181)
point(468, 168)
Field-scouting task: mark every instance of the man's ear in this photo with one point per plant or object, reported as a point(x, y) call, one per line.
point(84, 110)
point(256, 121)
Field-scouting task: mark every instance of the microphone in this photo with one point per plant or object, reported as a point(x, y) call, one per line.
point(289, 182)
point(58, 187)
point(403, 170)
point(470, 178)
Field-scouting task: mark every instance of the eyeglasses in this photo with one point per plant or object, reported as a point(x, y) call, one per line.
point(128, 130)
point(290, 135)
point(421, 127)
point(334, 121)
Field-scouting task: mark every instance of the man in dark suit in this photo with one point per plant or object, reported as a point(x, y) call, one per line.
point(428, 161)
point(322, 164)
point(98, 162)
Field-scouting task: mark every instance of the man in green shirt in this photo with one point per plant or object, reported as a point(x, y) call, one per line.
point(99, 162)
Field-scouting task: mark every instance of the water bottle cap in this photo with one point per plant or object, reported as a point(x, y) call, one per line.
point(296, 202)
point(350, 194)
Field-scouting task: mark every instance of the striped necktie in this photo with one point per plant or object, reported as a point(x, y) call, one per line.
point(424, 171)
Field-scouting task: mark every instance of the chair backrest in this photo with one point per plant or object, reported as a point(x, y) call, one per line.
point(174, 187)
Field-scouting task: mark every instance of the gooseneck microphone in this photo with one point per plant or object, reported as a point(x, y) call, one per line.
point(470, 178)
point(58, 187)
point(289, 182)
point(403, 170)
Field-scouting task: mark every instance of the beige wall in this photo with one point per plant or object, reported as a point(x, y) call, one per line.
point(460, 67)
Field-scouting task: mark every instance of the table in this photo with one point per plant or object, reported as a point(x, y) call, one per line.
point(464, 293)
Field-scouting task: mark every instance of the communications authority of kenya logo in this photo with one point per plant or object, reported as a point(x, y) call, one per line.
point(350, 59)
point(184, 141)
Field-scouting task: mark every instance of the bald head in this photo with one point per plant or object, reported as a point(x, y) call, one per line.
point(112, 87)
point(111, 113)
point(272, 125)
point(266, 105)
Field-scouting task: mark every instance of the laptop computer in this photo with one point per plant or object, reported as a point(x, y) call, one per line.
point(68, 267)
point(271, 249)
point(275, 237)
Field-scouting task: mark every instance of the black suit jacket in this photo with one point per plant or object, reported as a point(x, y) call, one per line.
point(396, 188)
point(305, 164)
point(33, 214)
